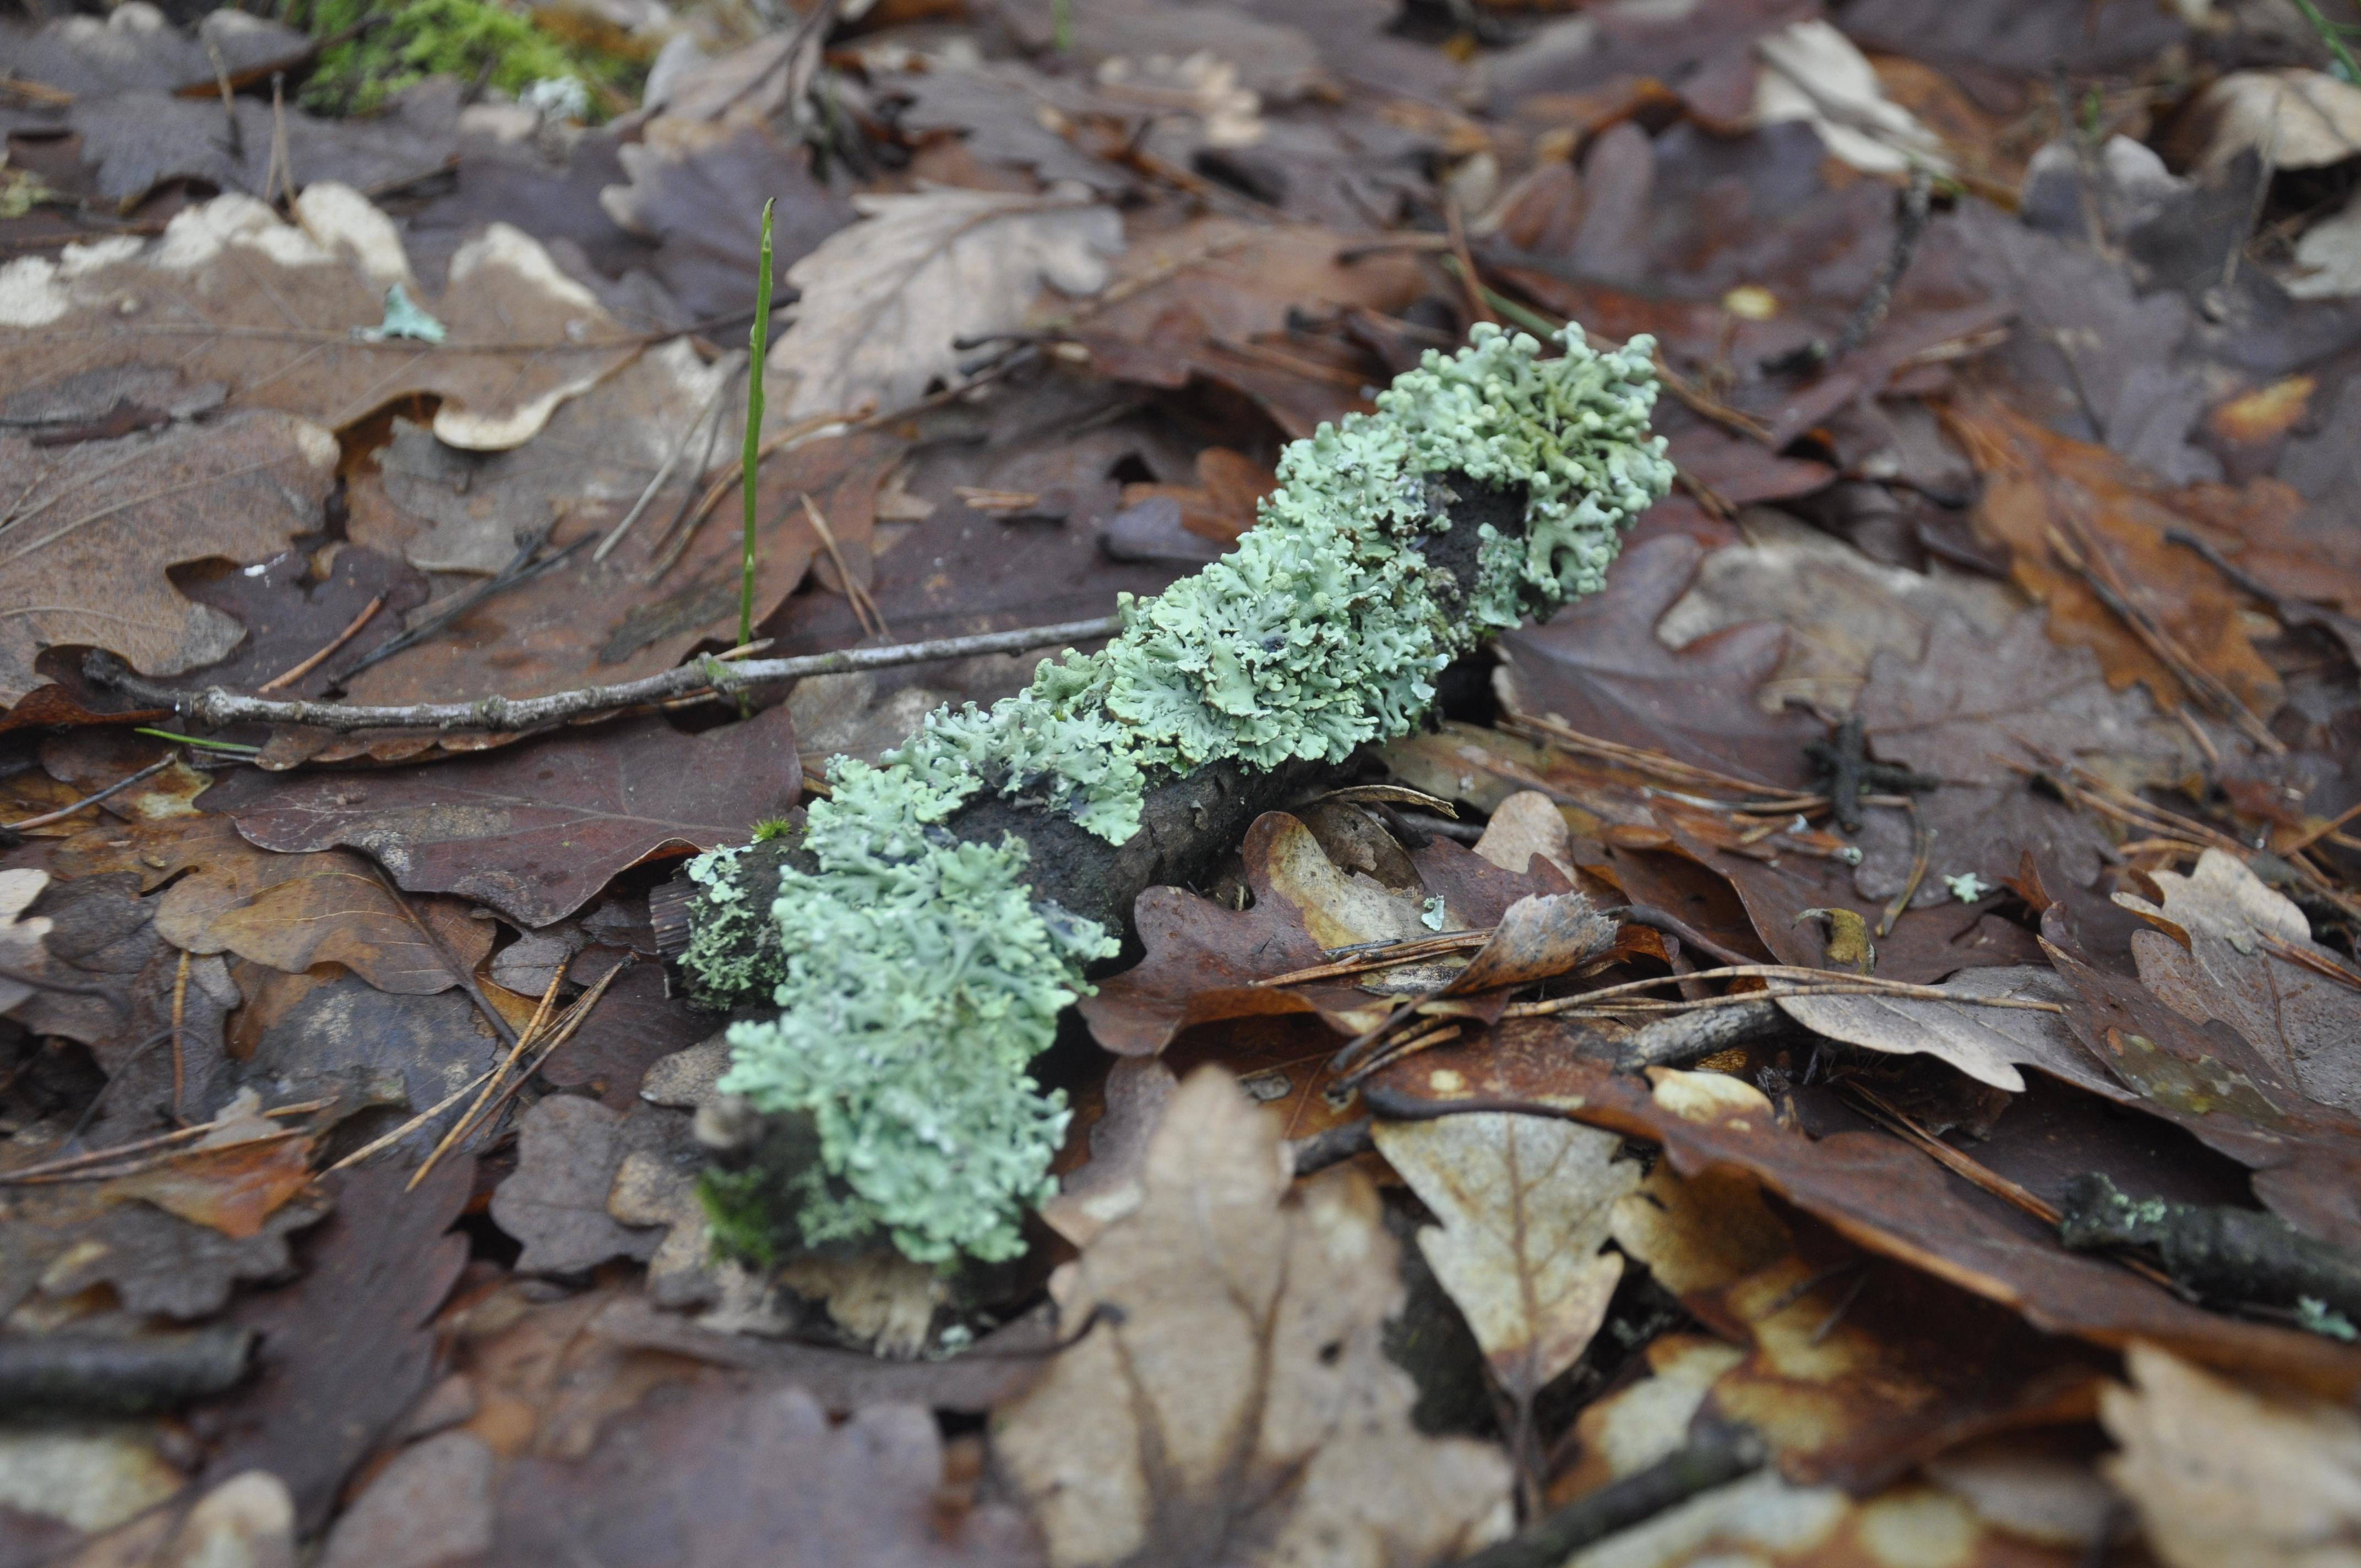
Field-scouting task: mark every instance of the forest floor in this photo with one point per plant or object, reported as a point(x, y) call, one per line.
point(1960, 1164)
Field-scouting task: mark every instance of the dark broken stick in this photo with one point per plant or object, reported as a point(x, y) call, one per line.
point(2218, 1253)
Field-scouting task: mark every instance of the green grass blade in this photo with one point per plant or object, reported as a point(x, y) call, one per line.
point(760, 341)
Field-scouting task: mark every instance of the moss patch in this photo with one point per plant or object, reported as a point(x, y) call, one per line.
point(418, 39)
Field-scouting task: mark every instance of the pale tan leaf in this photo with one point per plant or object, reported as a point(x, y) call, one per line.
point(1988, 1044)
point(1526, 1203)
point(2228, 948)
point(2226, 1477)
point(1232, 1405)
point(233, 293)
point(884, 300)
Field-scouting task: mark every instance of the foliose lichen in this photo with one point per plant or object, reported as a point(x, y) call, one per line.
point(915, 974)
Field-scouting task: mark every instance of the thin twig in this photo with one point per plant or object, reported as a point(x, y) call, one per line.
point(725, 372)
point(142, 1146)
point(1922, 853)
point(459, 971)
point(575, 1017)
point(864, 608)
point(297, 672)
point(216, 705)
point(179, 1016)
point(1849, 983)
point(540, 1018)
point(62, 812)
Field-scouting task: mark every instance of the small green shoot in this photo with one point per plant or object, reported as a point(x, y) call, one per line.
point(1063, 10)
point(760, 340)
point(772, 827)
point(2332, 35)
point(200, 741)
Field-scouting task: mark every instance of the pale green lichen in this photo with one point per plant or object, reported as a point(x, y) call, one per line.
point(917, 977)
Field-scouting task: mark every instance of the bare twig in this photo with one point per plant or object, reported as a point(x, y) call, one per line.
point(540, 1018)
point(864, 608)
point(62, 812)
point(281, 681)
point(726, 372)
point(216, 705)
point(459, 971)
point(522, 568)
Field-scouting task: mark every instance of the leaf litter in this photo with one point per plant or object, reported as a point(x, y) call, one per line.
point(1449, 1168)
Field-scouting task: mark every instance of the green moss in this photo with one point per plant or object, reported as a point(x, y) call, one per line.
point(418, 39)
point(916, 976)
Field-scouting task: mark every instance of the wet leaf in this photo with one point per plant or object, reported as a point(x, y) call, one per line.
point(344, 1349)
point(1215, 299)
point(688, 194)
point(87, 551)
point(1846, 1371)
point(1525, 1204)
point(1988, 1044)
point(669, 1486)
point(1205, 962)
point(2053, 503)
point(1237, 1407)
point(289, 911)
point(1879, 1192)
point(567, 1153)
point(536, 830)
point(2227, 947)
point(1600, 668)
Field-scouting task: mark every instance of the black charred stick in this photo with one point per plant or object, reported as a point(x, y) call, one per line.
point(107, 1374)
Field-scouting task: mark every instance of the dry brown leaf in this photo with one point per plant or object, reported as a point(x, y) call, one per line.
point(884, 300)
point(277, 311)
point(2222, 950)
point(1236, 1408)
point(1988, 1044)
point(2226, 1476)
point(1856, 1368)
point(1215, 298)
point(85, 549)
point(287, 911)
point(2051, 500)
point(1525, 1204)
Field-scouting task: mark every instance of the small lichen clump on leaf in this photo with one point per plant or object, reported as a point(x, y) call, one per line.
point(916, 975)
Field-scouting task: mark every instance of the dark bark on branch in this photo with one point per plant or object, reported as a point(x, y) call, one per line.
point(96, 1374)
point(2222, 1254)
point(1714, 1458)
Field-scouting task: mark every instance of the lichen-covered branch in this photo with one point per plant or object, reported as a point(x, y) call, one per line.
point(918, 951)
point(2224, 1255)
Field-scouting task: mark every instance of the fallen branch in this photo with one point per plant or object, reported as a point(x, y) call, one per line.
point(710, 677)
